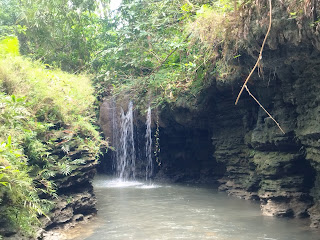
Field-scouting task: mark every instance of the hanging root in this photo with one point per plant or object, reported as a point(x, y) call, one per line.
point(264, 109)
point(254, 68)
point(260, 54)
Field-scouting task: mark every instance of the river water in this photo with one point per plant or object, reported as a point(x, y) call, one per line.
point(140, 211)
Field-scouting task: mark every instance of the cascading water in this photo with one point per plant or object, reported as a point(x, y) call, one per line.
point(124, 158)
point(148, 149)
point(115, 134)
point(126, 150)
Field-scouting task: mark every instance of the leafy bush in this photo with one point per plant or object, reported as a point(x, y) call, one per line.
point(19, 200)
point(54, 95)
point(213, 23)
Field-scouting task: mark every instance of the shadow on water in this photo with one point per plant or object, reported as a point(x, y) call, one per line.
point(144, 211)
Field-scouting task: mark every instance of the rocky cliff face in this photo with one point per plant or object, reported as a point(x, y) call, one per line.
point(259, 162)
point(281, 170)
point(256, 160)
point(240, 147)
point(76, 199)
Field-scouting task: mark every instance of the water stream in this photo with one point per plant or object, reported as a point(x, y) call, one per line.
point(127, 155)
point(115, 135)
point(148, 136)
point(139, 211)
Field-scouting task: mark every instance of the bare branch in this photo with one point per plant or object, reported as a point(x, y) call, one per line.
point(264, 109)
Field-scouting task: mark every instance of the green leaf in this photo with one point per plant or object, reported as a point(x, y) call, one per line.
point(4, 183)
point(9, 141)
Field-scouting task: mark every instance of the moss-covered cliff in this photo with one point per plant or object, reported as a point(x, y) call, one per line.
point(280, 170)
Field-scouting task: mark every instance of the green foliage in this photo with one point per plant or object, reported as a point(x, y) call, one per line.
point(17, 190)
point(8, 17)
point(147, 42)
point(35, 149)
point(210, 25)
point(154, 55)
point(158, 50)
point(72, 93)
point(60, 33)
point(146, 47)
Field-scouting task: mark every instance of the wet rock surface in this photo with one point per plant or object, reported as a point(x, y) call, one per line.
point(280, 170)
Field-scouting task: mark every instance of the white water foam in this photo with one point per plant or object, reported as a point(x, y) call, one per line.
point(148, 186)
point(119, 183)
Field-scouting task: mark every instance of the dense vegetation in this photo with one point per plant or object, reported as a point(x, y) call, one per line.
point(42, 111)
point(142, 45)
point(157, 52)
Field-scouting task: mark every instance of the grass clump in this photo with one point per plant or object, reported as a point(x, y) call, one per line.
point(54, 95)
point(9, 45)
point(210, 26)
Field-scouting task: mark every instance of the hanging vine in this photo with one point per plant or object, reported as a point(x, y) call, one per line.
point(157, 142)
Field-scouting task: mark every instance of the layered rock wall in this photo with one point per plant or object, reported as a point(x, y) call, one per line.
point(258, 161)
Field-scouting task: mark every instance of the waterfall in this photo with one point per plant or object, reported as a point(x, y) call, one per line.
point(115, 134)
point(126, 151)
point(124, 158)
point(149, 164)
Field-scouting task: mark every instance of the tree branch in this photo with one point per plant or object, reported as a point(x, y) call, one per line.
point(264, 109)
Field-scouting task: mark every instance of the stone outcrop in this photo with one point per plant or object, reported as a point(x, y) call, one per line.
point(249, 155)
point(76, 199)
